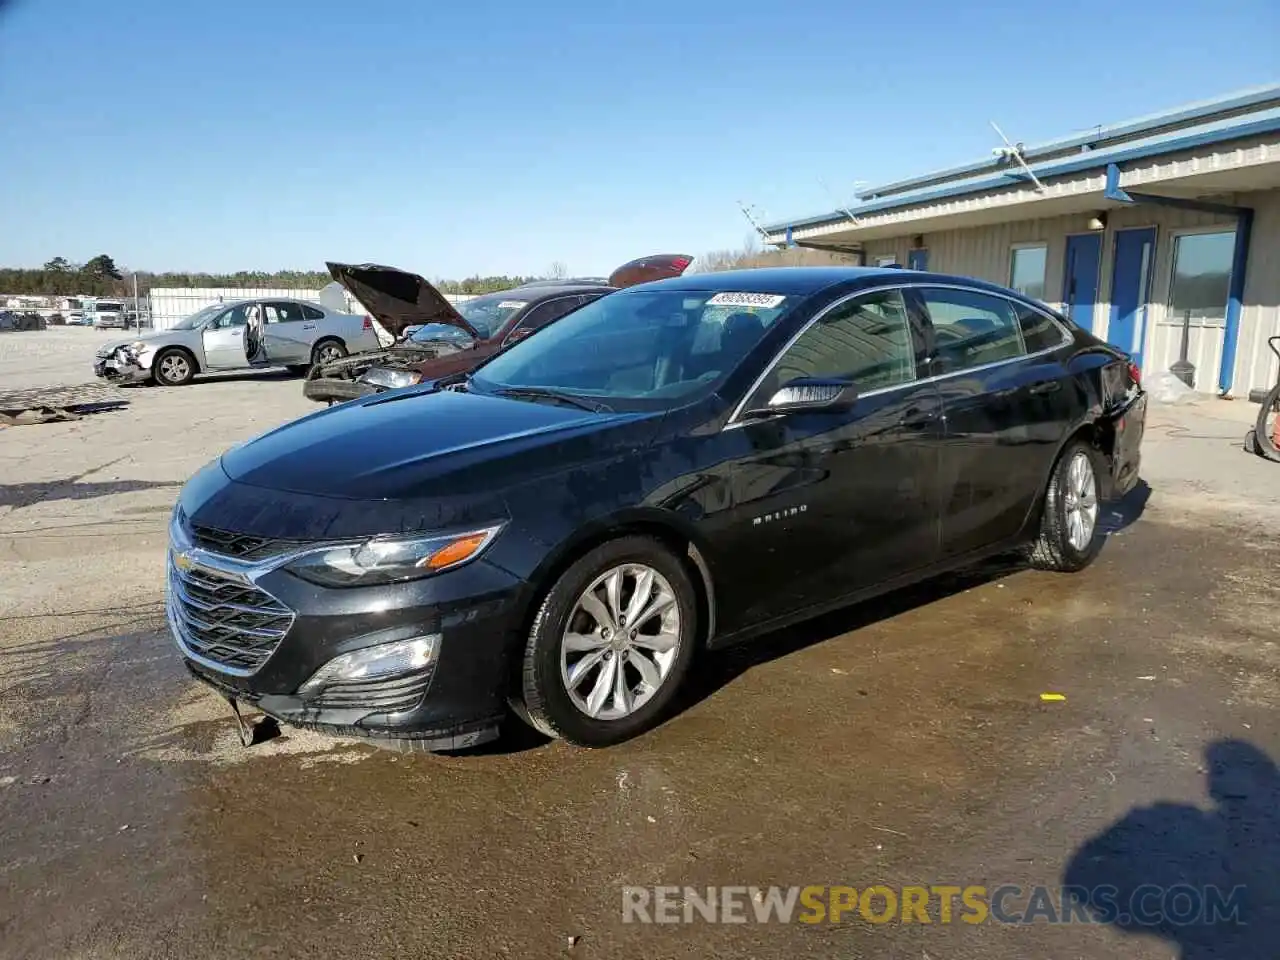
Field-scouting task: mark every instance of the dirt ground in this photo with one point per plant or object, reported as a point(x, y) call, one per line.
point(900, 742)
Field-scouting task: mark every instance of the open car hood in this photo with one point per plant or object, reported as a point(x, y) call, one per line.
point(397, 298)
point(661, 266)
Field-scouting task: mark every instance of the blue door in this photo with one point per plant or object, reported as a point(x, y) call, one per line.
point(1131, 289)
point(1080, 277)
point(918, 259)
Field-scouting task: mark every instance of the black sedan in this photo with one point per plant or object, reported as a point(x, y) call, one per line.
point(680, 465)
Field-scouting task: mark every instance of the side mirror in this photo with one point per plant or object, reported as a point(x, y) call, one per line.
point(809, 394)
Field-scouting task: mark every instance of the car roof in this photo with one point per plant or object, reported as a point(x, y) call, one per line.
point(804, 281)
point(541, 292)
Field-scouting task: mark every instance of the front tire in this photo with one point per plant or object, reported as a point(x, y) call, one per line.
point(1069, 535)
point(610, 645)
point(173, 367)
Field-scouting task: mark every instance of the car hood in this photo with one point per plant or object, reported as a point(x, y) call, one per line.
point(397, 298)
point(418, 443)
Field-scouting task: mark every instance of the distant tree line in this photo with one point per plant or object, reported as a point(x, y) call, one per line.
point(101, 277)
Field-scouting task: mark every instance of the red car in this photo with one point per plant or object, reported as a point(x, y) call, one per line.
point(435, 338)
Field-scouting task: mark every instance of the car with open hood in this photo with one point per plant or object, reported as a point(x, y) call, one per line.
point(672, 467)
point(436, 338)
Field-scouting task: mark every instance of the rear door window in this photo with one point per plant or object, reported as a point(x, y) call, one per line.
point(971, 328)
point(283, 312)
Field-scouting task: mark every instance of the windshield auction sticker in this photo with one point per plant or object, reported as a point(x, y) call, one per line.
point(766, 301)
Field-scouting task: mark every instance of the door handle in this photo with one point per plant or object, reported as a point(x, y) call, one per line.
point(920, 415)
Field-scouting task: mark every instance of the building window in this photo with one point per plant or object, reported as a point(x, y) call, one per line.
point(1201, 277)
point(1026, 270)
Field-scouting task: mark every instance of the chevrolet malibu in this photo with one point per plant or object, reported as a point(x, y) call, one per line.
point(673, 467)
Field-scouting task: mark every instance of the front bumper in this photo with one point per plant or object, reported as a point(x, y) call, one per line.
point(121, 368)
point(457, 700)
point(334, 390)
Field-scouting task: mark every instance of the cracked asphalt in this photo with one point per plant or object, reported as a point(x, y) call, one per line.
point(900, 742)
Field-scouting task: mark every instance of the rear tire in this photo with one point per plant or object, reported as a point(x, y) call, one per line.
point(1264, 431)
point(574, 657)
point(1069, 534)
point(327, 351)
point(173, 367)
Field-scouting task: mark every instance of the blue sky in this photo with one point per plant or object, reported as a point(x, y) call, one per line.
point(498, 137)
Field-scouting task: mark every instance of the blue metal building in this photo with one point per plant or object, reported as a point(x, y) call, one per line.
point(1138, 230)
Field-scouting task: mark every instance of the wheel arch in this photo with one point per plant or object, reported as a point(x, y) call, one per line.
point(668, 529)
point(196, 365)
point(329, 338)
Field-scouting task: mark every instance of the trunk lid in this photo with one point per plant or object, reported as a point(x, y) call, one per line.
point(397, 298)
point(660, 266)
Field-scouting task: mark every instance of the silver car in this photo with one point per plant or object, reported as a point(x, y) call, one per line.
point(246, 335)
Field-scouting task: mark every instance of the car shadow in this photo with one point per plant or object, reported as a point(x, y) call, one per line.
point(1123, 513)
point(1203, 880)
point(272, 375)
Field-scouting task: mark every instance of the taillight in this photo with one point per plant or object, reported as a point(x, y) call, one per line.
point(1135, 374)
point(368, 322)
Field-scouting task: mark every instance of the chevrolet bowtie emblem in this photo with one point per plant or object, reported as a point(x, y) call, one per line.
point(183, 562)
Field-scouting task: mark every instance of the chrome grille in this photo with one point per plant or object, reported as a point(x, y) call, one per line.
point(241, 545)
point(224, 621)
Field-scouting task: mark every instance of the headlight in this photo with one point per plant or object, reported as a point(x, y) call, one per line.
point(387, 377)
point(139, 346)
point(391, 559)
point(384, 660)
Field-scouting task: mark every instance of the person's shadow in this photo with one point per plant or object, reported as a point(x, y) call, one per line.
point(1205, 880)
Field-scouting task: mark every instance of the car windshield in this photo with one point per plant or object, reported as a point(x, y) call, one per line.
point(199, 317)
point(435, 332)
point(489, 312)
point(647, 345)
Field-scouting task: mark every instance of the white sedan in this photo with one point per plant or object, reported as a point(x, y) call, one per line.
point(246, 335)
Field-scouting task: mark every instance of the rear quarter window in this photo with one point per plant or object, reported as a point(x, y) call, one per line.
point(1039, 330)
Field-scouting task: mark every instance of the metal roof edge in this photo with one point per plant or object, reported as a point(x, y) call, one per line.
point(1187, 113)
point(1213, 133)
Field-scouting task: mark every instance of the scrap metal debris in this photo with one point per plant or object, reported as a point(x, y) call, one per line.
point(54, 404)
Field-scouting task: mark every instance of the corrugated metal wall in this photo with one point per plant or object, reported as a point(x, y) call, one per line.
point(171, 304)
point(984, 252)
point(1256, 366)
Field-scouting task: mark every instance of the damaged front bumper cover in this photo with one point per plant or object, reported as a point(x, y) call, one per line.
point(121, 366)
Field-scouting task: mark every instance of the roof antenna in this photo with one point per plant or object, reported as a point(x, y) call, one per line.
point(1013, 151)
point(755, 224)
point(843, 208)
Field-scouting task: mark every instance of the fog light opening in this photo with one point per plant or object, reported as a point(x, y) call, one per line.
point(383, 660)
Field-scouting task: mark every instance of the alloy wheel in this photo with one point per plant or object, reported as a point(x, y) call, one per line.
point(174, 367)
point(1081, 501)
point(328, 353)
point(621, 642)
